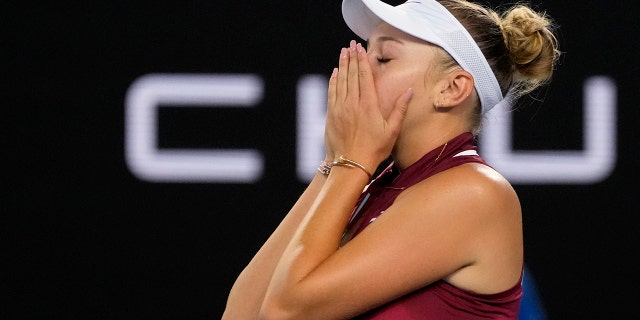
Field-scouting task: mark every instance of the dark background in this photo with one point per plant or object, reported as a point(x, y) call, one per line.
point(87, 239)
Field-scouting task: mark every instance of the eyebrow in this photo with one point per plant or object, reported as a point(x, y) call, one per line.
point(387, 38)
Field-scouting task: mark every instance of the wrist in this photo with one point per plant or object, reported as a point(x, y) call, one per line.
point(326, 166)
point(350, 163)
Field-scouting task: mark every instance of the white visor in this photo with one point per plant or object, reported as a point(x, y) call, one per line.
point(430, 21)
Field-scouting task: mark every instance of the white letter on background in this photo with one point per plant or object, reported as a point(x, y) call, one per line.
point(311, 114)
point(147, 162)
point(591, 165)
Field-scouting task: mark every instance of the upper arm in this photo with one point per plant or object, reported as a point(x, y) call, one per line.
point(432, 230)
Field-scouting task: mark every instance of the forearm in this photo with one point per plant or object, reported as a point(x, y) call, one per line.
point(248, 291)
point(317, 238)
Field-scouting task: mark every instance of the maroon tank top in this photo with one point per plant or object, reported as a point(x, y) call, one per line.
point(439, 300)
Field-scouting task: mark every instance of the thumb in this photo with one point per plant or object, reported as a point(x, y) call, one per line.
point(400, 110)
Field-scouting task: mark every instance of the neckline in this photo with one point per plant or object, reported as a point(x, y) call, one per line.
point(430, 160)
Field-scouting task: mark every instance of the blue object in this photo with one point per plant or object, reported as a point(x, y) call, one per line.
point(531, 307)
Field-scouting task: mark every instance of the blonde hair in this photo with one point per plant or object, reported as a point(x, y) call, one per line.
point(519, 45)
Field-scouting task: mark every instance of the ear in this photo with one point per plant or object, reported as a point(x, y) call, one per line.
point(455, 89)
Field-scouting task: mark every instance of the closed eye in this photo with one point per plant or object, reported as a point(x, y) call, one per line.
point(383, 60)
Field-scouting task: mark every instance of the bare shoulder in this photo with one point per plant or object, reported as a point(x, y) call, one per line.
point(480, 209)
point(472, 182)
point(481, 180)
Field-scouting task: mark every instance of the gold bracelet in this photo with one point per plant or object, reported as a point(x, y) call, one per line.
point(345, 162)
point(324, 168)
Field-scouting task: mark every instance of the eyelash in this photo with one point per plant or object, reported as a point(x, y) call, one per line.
point(383, 60)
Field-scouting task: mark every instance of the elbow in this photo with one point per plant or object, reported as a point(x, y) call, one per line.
point(269, 311)
point(276, 310)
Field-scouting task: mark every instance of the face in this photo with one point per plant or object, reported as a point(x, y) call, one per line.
point(400, 61)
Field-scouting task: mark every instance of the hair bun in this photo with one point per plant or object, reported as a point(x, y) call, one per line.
point(531, 43)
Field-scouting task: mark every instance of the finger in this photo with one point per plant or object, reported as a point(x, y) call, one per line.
point(353, 85)
point(331, 92)
point(343, 69)
point(394, 121)
point(365, 77)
